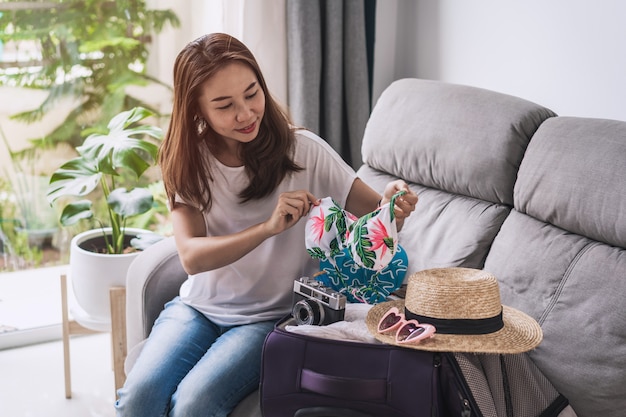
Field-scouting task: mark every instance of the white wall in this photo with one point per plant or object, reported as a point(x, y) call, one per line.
point(568, 55)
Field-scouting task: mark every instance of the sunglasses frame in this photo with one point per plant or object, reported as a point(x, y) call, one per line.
point(395, 326)
point(429, 331)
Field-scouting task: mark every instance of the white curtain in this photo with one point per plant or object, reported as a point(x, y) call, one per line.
point(261, 25)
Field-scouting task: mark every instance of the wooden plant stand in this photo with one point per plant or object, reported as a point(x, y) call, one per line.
point(117, 296)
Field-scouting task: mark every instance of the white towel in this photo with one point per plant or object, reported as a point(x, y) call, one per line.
point(352, 328)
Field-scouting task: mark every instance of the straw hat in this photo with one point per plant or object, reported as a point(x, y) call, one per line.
point(464, 306)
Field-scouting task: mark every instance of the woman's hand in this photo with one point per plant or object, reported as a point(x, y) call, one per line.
point(291, 207)
point(404, 205)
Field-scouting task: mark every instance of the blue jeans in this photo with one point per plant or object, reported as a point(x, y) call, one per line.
point(189, 366)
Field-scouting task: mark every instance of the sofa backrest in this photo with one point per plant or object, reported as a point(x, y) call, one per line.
point(560, 257)
point(460, 148)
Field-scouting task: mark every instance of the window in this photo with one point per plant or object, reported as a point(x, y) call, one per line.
point(79, 60)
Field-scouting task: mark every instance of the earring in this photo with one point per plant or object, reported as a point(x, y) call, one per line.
point(201, 125)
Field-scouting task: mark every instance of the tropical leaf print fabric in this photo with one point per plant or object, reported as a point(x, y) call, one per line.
point(361, 285)
point(373, 238)
point(326, 229)
point(354, 252)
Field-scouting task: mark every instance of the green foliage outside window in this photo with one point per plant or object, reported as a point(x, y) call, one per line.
point(16, 251)
point(88, 50)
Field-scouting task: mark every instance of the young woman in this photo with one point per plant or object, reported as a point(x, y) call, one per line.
point(239, 178)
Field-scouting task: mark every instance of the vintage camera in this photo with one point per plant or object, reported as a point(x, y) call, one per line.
point(314, 303)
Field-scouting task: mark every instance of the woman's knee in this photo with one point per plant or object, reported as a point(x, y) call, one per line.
point(176, 310)
point(216, 399)
point(145, 398)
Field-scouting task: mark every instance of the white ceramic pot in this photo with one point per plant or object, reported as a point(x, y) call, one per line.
point(93, 274)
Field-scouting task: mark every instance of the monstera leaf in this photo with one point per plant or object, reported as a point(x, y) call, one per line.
point(119, 148)
point(130, 203)
point(99, 168)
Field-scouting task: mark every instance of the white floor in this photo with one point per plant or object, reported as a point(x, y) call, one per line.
point(32, 379)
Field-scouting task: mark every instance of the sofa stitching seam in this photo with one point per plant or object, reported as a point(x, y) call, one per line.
point(563, 281)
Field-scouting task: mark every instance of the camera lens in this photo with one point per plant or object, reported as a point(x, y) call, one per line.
point(307, 312)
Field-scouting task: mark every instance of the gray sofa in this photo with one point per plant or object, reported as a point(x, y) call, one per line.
point(506, 185)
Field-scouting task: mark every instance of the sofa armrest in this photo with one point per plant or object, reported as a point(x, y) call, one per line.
point(153, 279)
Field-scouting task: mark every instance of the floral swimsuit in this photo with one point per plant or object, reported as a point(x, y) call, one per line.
point(359, 257)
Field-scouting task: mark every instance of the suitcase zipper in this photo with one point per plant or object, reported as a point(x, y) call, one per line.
point(468, 402)
point(465, 397)
point(434, 408)
point(467, 411)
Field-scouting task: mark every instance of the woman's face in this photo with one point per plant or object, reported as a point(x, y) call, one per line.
point(233, 103)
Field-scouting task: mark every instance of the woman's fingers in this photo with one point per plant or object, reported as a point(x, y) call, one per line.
point(404, 204)
point(407, 202)
point(290, 208)
point(297, 203)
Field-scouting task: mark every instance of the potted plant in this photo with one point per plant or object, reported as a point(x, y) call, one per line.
point(99, 258)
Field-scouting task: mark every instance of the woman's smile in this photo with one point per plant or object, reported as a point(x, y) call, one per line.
point(248, 129)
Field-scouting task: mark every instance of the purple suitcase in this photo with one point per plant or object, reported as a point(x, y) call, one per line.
point(307, 376)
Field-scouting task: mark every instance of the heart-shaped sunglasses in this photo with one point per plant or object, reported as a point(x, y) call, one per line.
point(407, 331)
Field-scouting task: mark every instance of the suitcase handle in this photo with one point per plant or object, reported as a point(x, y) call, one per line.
point(329, 412)
point(345, 388)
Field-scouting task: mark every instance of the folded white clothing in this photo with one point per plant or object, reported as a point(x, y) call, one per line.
point(351, 328)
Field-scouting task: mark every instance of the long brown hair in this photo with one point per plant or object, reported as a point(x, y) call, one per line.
point(267, 159)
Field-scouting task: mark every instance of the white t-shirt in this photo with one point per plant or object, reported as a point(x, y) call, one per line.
point(259, 286)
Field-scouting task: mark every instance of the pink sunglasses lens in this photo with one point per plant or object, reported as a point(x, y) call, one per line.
point(410, 331)
point(388, 321)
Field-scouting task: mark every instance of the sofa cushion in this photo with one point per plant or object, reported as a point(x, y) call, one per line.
point(460, 139)
point(574, 287)
point(574, 176)
point(445, 229)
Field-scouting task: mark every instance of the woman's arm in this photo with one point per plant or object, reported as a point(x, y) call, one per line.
point(199, 253)
point(362, 199)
